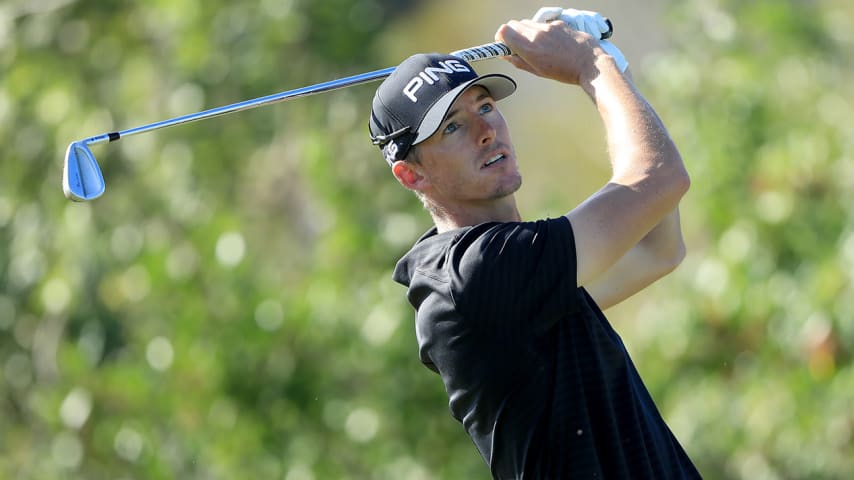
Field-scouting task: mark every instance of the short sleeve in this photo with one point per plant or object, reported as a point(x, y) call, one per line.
point(515, 278)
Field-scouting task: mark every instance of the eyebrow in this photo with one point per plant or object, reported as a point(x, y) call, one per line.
point(454, 111)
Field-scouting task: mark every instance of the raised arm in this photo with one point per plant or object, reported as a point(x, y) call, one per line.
point(627, 234)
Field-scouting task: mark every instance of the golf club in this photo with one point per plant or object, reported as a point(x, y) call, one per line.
point(82, 179)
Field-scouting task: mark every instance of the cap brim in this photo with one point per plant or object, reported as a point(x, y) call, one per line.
point(499, 87)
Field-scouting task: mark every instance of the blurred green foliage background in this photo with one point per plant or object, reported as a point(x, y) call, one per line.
point(226, 310)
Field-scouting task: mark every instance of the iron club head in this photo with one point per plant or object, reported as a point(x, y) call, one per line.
point(81, 176)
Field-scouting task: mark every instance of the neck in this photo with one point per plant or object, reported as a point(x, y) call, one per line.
point(473, 214)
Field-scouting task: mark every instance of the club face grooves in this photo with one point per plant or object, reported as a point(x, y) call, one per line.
point(81, 176)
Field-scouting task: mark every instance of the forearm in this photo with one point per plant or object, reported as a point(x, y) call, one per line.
point(656, 255)
point(642, 153)
point(664, 242)
point(632, 220)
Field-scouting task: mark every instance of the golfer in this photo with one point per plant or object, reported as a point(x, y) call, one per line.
point(509, 311)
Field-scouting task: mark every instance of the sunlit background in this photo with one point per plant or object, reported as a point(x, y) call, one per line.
point(226, 310)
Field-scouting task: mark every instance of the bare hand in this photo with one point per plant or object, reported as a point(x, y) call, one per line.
point(551, 50)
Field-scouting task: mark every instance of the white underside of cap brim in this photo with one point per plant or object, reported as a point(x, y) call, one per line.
point(499, 87)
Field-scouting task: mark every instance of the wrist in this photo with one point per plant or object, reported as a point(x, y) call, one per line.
point(603, 64)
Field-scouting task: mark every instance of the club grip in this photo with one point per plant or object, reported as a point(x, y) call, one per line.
point(497, 49)
point(482, 52)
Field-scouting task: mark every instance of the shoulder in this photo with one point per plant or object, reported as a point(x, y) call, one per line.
point(497, 245)
point(491, 261)
point(518, 278)
point(505, 259)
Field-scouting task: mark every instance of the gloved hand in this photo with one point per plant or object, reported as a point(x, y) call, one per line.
point(588, 22)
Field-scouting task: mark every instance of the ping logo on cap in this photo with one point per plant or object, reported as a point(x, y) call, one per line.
point(430, 75)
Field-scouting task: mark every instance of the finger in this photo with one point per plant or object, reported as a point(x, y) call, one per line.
point(547, 14)
point(508, 33)
point(570, 20)
point(516, 32)
point(572, 12)
point(520, 63)
point(537, 25)
point(591, 29)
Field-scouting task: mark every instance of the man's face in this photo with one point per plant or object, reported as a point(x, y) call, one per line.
point(470, 159)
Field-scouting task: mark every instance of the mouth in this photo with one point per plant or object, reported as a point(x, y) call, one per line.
point(495, 159)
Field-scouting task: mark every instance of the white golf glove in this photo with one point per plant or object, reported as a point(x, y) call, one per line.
point(587, 22)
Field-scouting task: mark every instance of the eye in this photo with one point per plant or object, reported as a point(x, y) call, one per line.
point(486, 108)
point(451, 128)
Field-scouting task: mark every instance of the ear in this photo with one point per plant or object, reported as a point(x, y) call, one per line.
point(408, 176)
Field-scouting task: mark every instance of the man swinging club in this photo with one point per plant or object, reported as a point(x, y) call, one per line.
point(508, 311)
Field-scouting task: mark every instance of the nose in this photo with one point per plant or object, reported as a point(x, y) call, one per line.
point(486, 131)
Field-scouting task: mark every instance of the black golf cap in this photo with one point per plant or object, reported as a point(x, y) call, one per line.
point(412, 102)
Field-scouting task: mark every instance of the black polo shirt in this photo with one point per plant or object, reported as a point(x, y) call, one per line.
point(535, 373)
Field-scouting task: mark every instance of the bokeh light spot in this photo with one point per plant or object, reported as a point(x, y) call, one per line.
point(159, 353)
point(56, 295)
point(230, 249)
point(362, 424)
point(128, 444)
point(66, 450)
point(269, 315)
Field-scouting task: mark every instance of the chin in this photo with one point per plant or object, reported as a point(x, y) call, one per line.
point(509, 186)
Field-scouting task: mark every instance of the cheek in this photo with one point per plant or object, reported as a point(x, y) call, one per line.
point(502, 128)
point(447, 156)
